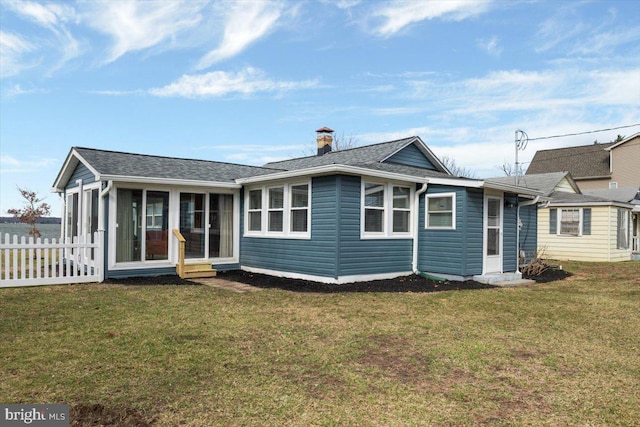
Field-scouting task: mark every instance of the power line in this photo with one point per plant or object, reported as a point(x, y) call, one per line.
point(583, 133)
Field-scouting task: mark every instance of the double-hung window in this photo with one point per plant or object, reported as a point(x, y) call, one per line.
point(570, 222)
point(280, 211)
point(441, 211)
point(254, 221)
point(386, 210)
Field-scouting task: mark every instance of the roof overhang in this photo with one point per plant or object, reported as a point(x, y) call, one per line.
point(508, 188)
point(589, 204)
point(331, 170)
point(167, 181)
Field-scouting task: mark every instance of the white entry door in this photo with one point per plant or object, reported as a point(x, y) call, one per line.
point(493, 234)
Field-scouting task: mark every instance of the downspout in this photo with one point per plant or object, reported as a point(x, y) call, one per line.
point(416, 228)
point(101, 215)
point(529, 203)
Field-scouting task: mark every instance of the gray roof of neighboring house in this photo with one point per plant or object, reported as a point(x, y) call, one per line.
point(623, 194)
point(584, 161)
point(366, 155)
point(564, 198)
point(545, 182)
point(142, 165)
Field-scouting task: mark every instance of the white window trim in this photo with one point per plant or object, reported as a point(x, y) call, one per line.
point(453, 211)
point(174, 223)
point(387, 209)
point(559, 222)
point(286, 232)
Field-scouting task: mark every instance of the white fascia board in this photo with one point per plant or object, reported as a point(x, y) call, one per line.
point(635, 135)
point(168, 181)
point(331, 169)
point(587, 204)
point(67, 170)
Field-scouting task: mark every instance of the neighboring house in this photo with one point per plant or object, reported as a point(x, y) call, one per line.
point(594, 225)
point(594, 166)
point(378, 211)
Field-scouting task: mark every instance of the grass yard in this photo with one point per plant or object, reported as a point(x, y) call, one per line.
point(562, 353)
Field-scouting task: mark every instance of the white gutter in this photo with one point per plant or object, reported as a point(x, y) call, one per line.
point(416, 228)
point(167, 181)
point(529, 203)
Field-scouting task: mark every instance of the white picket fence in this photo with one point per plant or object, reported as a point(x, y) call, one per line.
point(30, 262)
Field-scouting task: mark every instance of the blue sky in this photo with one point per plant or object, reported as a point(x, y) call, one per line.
point(249, 82)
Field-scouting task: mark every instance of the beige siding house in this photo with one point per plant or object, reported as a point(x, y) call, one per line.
point(594, 166)
point(625, 162)
point(589, 225)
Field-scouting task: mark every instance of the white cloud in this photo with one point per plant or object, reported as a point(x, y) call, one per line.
point(12, 54)
point(490, 46)
point(245, 22)
point(136, 26)
point(10, 164)
point(398, 15)
point(55, 18)
point(220, 83)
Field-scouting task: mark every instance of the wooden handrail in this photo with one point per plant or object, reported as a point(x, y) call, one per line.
point(181, 253)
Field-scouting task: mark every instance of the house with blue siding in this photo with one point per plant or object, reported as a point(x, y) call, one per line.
point(378, 211)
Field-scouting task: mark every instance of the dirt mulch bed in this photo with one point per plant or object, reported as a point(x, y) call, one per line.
point(413, 283)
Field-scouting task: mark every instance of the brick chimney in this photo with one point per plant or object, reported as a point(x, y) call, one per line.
point(325, 138)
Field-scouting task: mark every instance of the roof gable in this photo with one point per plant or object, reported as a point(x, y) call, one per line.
point(585, 161)
point(386, 152)
point(547, 183)
point(624, 141)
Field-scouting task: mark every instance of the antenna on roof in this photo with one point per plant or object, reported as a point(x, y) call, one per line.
point(521, 143)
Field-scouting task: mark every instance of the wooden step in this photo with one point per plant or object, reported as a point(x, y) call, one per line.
point(197, 270)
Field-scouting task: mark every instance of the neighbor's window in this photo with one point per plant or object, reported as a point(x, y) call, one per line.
point(441, 210)
point(570, 222)
point(623, 229)
point(255, 210)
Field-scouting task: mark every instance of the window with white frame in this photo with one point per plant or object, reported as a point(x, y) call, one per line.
point(622, 238)
point(276, 209)
point(299, 208)
point(254, 222)
point(441, 211)
point(386, 209)
point(282, 211)
point(570, 222)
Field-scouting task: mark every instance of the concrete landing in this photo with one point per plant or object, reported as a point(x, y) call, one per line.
point(503, 279)
point(227, 285)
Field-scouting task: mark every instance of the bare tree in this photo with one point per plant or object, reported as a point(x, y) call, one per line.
point(507, 168)
point(33, 209)
point(455, 169)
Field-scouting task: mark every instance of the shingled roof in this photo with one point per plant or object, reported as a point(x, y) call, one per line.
point(360, 156)
point(119, 164)
point(585, 161)
point(545, 182)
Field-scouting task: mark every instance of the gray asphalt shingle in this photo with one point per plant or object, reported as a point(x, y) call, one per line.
point(582, 162)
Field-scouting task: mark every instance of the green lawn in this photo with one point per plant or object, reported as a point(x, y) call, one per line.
point(563, 353)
